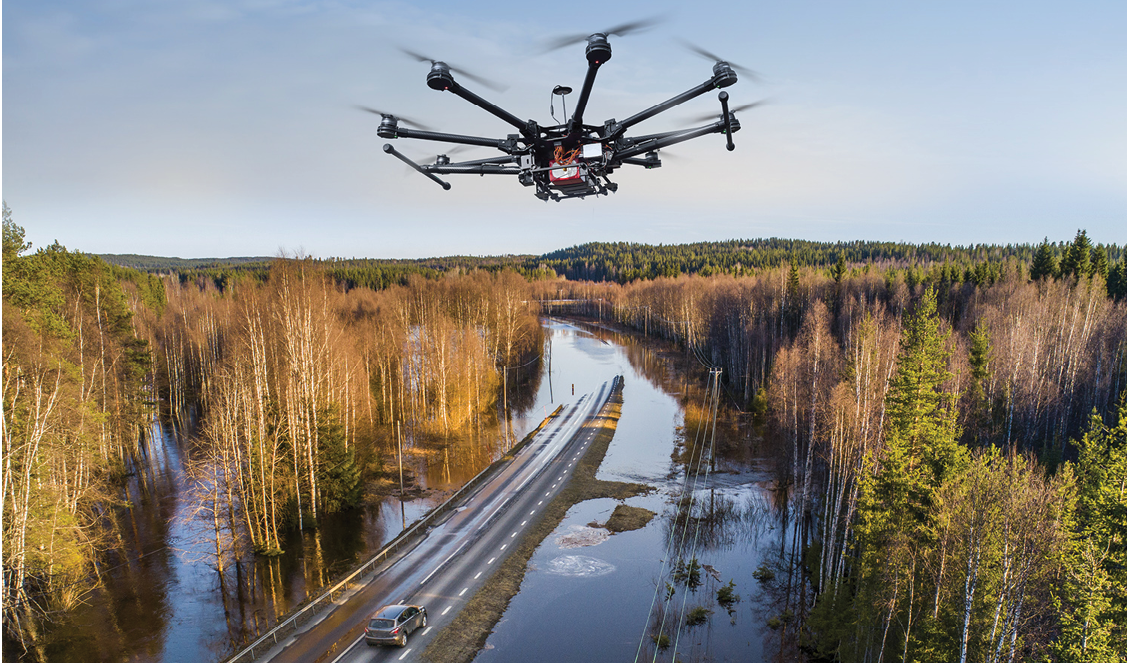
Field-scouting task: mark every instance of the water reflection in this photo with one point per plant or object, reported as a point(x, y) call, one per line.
point(161, 596)
point(685, 586)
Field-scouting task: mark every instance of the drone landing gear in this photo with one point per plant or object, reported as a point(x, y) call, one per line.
point(398, 155)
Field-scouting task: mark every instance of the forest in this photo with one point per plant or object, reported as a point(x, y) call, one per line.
point(957, 466)
point(954, 420)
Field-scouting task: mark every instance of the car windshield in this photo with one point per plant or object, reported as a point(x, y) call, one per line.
point(381, 624)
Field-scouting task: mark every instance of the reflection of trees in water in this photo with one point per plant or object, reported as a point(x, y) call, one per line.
point(715, 520)
point(524, 383)
point(721, 518)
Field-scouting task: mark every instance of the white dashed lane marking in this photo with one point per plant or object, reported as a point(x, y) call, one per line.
point(405, 654)
point(447, 609)
point(491, 560)
point(464, 589)
point(477, 576)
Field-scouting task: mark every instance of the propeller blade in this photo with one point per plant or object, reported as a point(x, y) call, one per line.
point(618, 31)
point(492, 85)
point(560, 42)
point(397, 116)
point(417, 56)
point(633, 26)
point(755, 76)
point(458, 149)
point(731, 109)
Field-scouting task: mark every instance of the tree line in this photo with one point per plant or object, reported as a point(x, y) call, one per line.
point(625, 262)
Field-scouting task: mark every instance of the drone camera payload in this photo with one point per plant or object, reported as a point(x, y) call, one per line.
point(571, 159)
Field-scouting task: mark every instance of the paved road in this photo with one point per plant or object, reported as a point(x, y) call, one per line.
point(456, 557)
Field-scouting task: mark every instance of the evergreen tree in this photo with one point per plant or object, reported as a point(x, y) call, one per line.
point(338, 474)
point(1099, 262)
point(920, 443)
point(978, 413)
point(1044, 262)
point(1094, 612)
point(792, 307)
point(1077, 258)
point(838, 271)
point(1117, 281)
point(899, 486)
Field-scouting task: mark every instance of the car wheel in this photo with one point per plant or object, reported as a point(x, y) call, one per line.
point(424, 620)
point(403, 640)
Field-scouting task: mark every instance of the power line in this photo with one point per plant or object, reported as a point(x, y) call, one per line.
point(696, 535)
point(711, 393)
point(669, 548)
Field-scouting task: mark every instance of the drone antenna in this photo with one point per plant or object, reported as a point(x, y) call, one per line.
point(562, 91)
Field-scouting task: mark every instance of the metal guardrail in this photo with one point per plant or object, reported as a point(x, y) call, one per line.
point(292, 622)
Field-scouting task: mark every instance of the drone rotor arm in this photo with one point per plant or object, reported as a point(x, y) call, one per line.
point(687, 95)
point(522, 126)
point(479, 169)
point(659, 141)
point(422, 170)
point(451, 138)
point(492, 161)
point(584, 96)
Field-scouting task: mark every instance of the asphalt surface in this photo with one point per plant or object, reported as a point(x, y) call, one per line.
point(456, 557)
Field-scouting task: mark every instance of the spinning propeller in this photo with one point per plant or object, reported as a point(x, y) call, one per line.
point(716, 58)
point(397, 117)
point(733, 109)
point(617, 31)
point(492, 85)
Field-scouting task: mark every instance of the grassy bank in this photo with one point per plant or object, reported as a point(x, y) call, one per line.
point(460, 641)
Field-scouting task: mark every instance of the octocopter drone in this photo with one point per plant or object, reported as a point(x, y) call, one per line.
point(572, 159)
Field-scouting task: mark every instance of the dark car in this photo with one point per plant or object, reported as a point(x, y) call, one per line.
point(391, 624)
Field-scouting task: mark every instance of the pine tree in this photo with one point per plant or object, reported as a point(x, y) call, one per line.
point(1044, 262)
point(838, 271)
point(1077, 258)
point(1117, 281)
point(1099, 262)
point(899, 486)
point(1094, 609)
point(921, 428)
point(979, 408)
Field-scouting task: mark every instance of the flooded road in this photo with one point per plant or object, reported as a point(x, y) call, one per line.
point(610, 594)
point(164, 600)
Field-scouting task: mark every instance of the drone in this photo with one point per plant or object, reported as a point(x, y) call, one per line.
point(570, 159)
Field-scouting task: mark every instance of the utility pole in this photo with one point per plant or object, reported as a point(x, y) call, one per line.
point(402, 508)
point(505, 408)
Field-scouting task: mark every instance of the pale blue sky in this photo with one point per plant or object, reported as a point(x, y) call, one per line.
point(205, 128)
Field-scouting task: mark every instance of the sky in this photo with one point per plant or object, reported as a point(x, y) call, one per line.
point(209, 128)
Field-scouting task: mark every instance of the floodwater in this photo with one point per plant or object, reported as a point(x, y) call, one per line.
point(608, 600)
point(165, 602)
